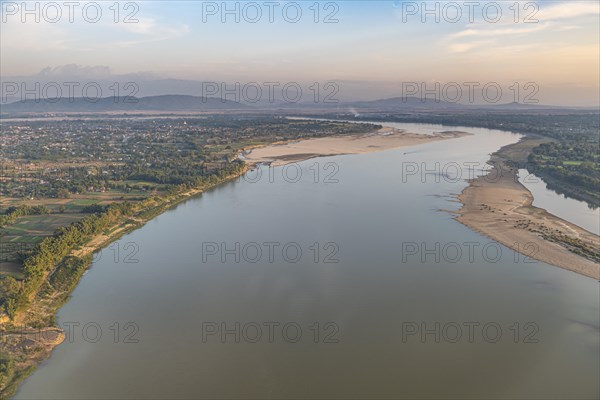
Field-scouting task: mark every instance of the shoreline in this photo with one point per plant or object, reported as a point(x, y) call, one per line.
point(386, 138)
point(516, 202)
point(502, 209)
point(20, 334)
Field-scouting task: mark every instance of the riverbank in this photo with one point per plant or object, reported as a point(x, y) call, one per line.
point(499, 207)
point(387, 138)
point(31, 336)
point(47, 300)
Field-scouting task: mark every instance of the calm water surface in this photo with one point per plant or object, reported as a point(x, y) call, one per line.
point(577, 212)
point(392, 304)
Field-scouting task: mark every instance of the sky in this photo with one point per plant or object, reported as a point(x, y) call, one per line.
point(372, 49)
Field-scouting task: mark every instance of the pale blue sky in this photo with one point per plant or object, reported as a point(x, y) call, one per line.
point(379, 42)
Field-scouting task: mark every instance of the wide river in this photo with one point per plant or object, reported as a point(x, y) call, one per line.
point(342, 277)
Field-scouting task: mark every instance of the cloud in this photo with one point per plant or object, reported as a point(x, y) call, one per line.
point(75, 71)
point(464, 47)
point(34, 37)
point(567, 10)
point(557, 17)
point(82, 36)
point(497, 32)
point(148, 30)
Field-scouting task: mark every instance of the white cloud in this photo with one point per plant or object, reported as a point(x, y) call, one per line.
point(73, 71)
point(81, 35)
point(507, 33)
point(497, 32)
point(567, 10)
point(464, 47)
point(34, 37)
point(148, 30)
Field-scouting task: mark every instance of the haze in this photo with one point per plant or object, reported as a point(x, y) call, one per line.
point(370, 49)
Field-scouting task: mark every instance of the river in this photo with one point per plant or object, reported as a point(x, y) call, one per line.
point(337, 277)
point(577, 212)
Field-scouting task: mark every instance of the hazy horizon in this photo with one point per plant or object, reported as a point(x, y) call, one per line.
point(369, 50)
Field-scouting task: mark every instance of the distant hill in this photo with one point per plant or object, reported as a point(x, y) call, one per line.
point(405, 103)
point(522, 106)
point(392, 105)
point(187, 103)
point(413, 104)
point(118, 104)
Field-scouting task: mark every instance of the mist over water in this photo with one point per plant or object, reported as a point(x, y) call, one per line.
point(375, 278)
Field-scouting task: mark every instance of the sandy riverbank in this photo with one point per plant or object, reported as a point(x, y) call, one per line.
point(385, 139)
point(499, 207)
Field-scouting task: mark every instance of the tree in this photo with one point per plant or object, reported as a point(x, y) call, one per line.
point(10, 306)
point(7, 367)
point(9, 287)
point(63, 194)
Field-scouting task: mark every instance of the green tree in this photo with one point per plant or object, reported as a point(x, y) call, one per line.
point(10, 306)
point(9, 287)
point(63, 194)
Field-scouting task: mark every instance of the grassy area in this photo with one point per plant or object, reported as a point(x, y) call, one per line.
point(519, 152)
point(24, 234)
point(29, 230)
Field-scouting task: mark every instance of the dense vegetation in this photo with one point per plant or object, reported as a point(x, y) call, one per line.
point(569, 167)
point(12, 213)
point(45, 256)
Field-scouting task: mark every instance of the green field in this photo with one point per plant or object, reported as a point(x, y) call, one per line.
point(27, 232)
